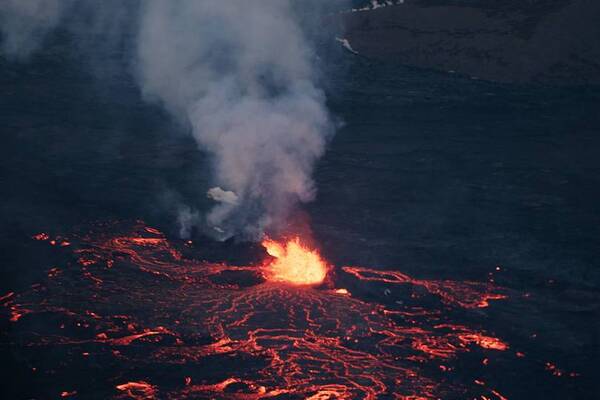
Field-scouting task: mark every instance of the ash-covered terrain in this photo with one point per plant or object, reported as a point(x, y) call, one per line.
point(455, 222)
point(543, 41)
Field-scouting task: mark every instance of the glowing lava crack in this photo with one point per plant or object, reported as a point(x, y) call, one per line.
point(137, 305)
point(294, 263)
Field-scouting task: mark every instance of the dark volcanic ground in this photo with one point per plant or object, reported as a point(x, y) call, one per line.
point(434, 175)
point(550, 41)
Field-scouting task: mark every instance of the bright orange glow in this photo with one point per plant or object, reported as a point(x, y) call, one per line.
point(294, 263)
point(138, 390)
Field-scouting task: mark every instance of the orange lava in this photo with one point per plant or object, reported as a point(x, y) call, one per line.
point(321, 344)
point(294, 263)
point(138, 390)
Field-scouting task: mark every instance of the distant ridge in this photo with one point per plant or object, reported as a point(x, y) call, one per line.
point(544, 41)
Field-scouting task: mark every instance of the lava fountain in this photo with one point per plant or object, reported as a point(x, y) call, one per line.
point(294, 262)
point(124, 298)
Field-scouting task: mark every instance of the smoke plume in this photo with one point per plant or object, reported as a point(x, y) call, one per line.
point(241, 76)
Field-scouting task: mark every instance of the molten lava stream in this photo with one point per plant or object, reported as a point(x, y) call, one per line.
point(294, 263)
point(250, 340)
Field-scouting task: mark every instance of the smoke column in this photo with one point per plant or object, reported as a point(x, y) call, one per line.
point(241, 76)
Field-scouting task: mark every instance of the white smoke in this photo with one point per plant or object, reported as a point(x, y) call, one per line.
point(186, 218)
point(223, 196)
point(240, 74)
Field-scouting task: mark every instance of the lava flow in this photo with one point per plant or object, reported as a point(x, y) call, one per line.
point(147, 318)
point(294, 263)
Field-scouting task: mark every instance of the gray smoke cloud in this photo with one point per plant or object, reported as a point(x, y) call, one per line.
point(241, 75)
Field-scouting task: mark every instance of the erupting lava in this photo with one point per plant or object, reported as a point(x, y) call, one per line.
point(294, 263)
point(124, 304)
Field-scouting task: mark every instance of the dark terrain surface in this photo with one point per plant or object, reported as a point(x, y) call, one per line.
point(544, 41)
point(436, 175)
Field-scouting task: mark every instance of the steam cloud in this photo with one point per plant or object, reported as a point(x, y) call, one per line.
point(242, 76)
